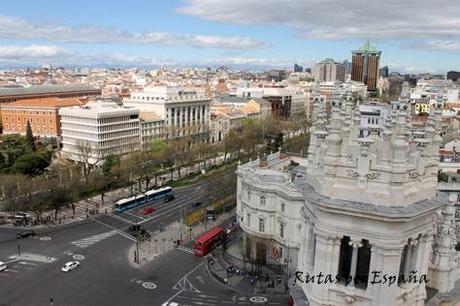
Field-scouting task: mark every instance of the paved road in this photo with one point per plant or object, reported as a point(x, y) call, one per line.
point(105, 277)
point(166, 213)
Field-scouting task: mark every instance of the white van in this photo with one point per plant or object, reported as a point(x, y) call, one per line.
point(3, 266)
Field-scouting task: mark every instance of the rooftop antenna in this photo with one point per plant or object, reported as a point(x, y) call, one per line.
point(368, 43)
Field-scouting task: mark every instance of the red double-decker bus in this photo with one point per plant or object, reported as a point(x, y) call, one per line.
point(205, 243)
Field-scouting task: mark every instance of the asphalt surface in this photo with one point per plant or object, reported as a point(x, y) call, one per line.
point(106, 275)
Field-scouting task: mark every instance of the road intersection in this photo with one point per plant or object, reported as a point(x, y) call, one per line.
point(107, 275)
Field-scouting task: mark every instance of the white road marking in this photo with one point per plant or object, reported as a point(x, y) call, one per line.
point(171, 298)
point(27, 263)
point(13, 260)
point(185, 285)
point(200, 279)
point(149, 285)
point(185, 249)
point(86, 242)
point(117, 230)
point(9, 270)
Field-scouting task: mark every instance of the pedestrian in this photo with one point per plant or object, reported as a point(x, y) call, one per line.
point(51, 302)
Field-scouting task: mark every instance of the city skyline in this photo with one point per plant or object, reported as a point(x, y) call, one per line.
point(243, 34)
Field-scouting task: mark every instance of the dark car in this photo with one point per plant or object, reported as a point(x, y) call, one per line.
point(169, 198)
point(134, 228)
point(196, 204)
point(25, 234)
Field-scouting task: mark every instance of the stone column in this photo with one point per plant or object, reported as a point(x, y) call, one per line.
point(355, 244)
point(385, 260)
point(407, 260)
point(422, 262)
point(443, 268)
point(323, 263)
point(310, 248)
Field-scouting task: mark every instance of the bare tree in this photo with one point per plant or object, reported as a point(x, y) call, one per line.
point(86, 157)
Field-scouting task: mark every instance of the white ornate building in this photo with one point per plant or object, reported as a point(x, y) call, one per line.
point(357, 209)
point(185, 111)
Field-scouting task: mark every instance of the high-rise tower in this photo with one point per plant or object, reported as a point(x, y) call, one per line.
point(365, 65)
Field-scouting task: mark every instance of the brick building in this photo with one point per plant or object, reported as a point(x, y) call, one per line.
point(8, 95)
point(41, 113)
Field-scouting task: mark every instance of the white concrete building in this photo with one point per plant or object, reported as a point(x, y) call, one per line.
point(373, 116)
point(97, 129)
point(285, 101)
point(185, 111)
point(357, 210)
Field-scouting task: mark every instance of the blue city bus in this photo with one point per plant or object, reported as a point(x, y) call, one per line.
point(154, 194)
point(131, 202)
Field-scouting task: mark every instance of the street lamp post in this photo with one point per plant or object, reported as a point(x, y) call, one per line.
point(136, 258)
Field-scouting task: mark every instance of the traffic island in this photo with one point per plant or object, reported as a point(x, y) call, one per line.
point(164, 240)
point(242, 276)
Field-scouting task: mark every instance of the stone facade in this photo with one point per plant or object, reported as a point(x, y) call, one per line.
point(357, 209)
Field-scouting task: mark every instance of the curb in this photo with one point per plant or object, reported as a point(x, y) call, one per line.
point(222, 284)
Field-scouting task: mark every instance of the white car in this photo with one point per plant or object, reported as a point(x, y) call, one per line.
point(69, 266)
point(22, 214)
point(3, 266)
point(170, 304)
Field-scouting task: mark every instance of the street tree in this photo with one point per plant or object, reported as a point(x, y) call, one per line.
point(30, 164)
point(30, 137)
point(84, 153)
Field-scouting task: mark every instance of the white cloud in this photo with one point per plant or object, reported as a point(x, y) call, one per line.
point(18, 28)
point(339, 19)
point(31, 52)
point(242, 61)
point(49, 54)
point(435, 45)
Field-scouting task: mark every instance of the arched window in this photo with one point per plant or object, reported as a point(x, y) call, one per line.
point(262, 200)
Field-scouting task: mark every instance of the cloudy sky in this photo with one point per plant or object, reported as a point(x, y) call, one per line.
point(414, 35)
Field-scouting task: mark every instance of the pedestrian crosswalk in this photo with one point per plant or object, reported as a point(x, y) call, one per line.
point(86, 242)
point(185, 249)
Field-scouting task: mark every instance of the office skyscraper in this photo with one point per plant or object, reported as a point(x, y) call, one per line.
point(365, 66)
point(384, 72)
point(329, 71)
point(298, 68)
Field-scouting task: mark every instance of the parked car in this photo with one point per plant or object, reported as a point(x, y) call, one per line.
point(22, 215)
point(196, 204)
point(134, 228)
point(69, 266)
point(3, 266)
point(25, 234)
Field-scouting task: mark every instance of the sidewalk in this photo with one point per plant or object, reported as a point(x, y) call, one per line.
point(237, 275)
